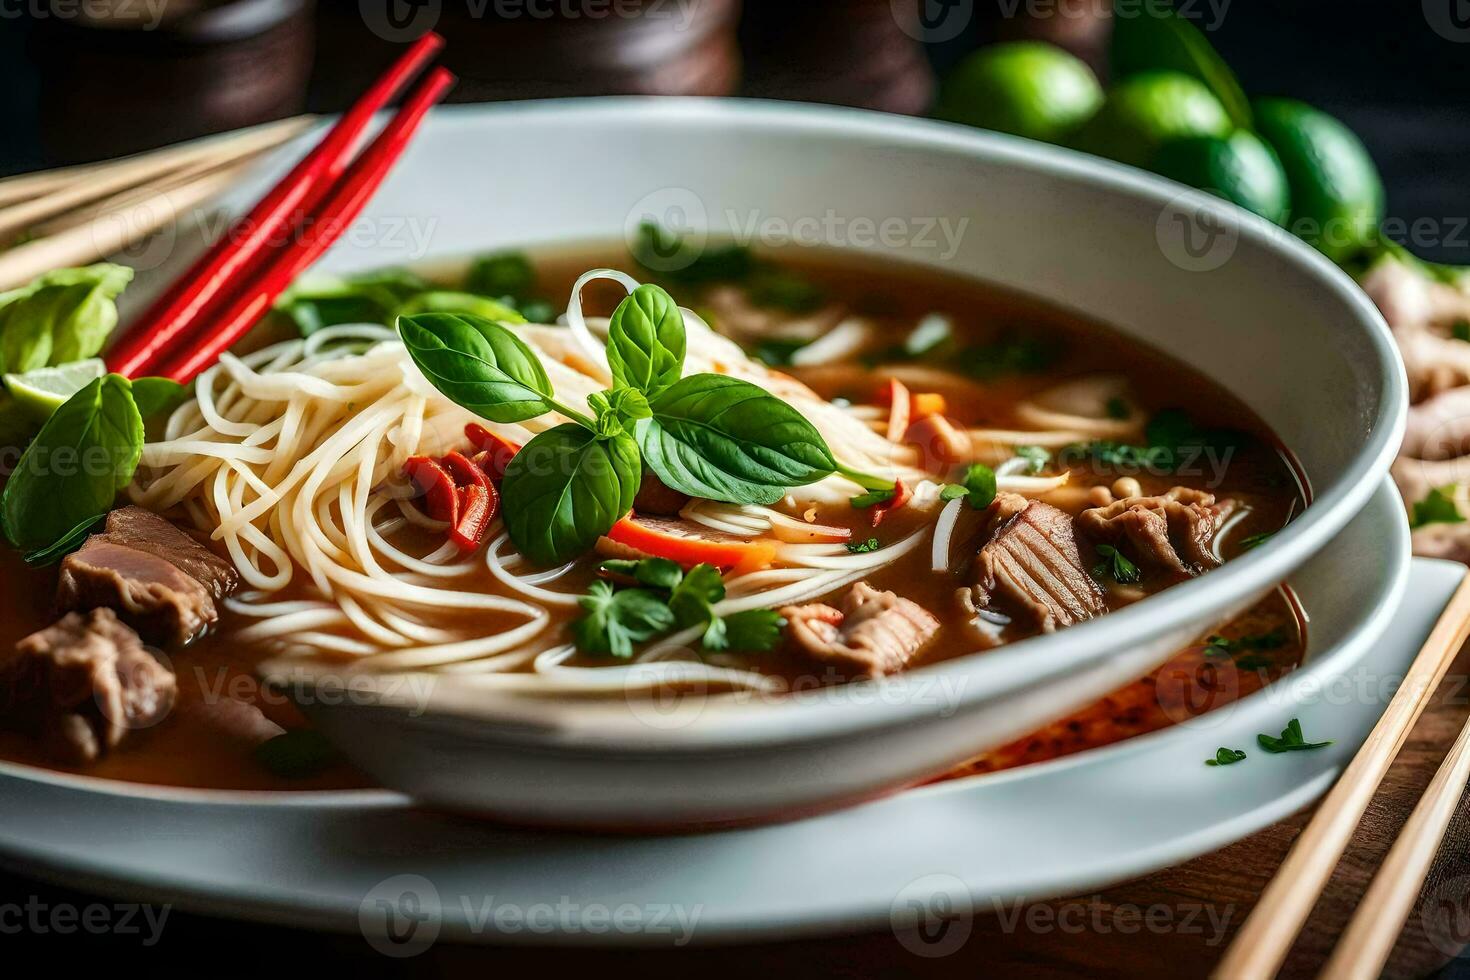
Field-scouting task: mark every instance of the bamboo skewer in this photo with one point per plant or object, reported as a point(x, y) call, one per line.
point(1260, 947)
point(111, 231)
point(101, 181)
point(1364, 946)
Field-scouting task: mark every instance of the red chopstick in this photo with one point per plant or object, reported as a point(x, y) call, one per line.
point(279, 267)
point(186, 304)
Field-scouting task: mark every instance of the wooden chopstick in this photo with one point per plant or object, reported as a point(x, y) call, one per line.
point(1261, 945)
point(190, 302)
point(1365, 945)
point(68, 190)
point(110, 231)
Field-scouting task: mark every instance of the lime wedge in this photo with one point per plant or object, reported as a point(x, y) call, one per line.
point(41, 392)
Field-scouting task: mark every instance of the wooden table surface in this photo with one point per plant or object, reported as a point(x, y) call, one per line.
point(1175, 923)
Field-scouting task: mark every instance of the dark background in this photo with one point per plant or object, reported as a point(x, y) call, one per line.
point(68, 95)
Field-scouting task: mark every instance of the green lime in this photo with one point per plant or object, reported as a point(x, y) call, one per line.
point(1336, 193)
point(40, 392)
point(1240, 168)
point(1146, 111)
point(1026, 88)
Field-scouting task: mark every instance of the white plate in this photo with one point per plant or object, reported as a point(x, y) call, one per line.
point(330, 860)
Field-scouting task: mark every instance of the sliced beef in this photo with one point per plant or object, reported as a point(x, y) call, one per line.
point(1031, 566)
point(873, 633)
point(1171, 532)
point(83, 684)
point(157, 578)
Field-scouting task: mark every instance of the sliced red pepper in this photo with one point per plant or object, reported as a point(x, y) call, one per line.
point(689, 545)
point(479, 504)
point(495, 452)
point(441, 499)
point(899, 409)
point(901, 495)
point(465, 472)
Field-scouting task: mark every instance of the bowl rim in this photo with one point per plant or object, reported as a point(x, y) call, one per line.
point(1035, 658)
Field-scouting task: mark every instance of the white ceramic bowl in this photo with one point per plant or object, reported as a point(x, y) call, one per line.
point(1219, 289)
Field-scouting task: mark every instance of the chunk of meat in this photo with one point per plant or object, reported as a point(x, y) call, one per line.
point(157, 578)
point(874, 633)
point(1032, 566)
point(83, 684)
point(144, 530)
point(1171, 531)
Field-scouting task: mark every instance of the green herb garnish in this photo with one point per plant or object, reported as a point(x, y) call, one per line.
point(1219, 646)
point(667, 598)
point(863, 547)
point(1256, 540)
point(1438, 507)
point(297, 754)
point(707, 435)
point(1291, 740)
point(1115, 565)
point(1036, 458)
point(1225, 757)
point(1011, 354)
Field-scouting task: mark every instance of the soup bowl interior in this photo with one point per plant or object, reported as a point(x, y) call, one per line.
point(1220, 290)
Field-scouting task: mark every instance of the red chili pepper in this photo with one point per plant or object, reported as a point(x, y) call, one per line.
point(901, 495)
point(495, 453)
point(465, 473)
point(441, 497)
point(479, 505)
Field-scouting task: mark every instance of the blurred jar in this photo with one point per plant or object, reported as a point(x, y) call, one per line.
point(521, 49)
point(865, 53)
point(118, 76)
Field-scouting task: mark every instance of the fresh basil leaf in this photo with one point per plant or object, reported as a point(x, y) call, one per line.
point(721, 438)
point(71, 473)
point(1152, 38)
point(615, 620)
point(155, 395)
point(658, 573)
point(447, 301)
point(478, 365)
point(617, 410)
point(321, 301)
point(645, 340)
point(873, 498)
point(62, 316)
point(566, 488)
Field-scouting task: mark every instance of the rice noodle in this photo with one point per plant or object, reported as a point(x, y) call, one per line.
point(292, 458)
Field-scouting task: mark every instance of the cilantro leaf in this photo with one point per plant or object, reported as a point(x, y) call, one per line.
point(1291, 740)
point(863, 547)
point(1115, 565)
point(752, 630)
point(617, 619)
point(1438, 507)
point(1036, 458)
point(1225, 757)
